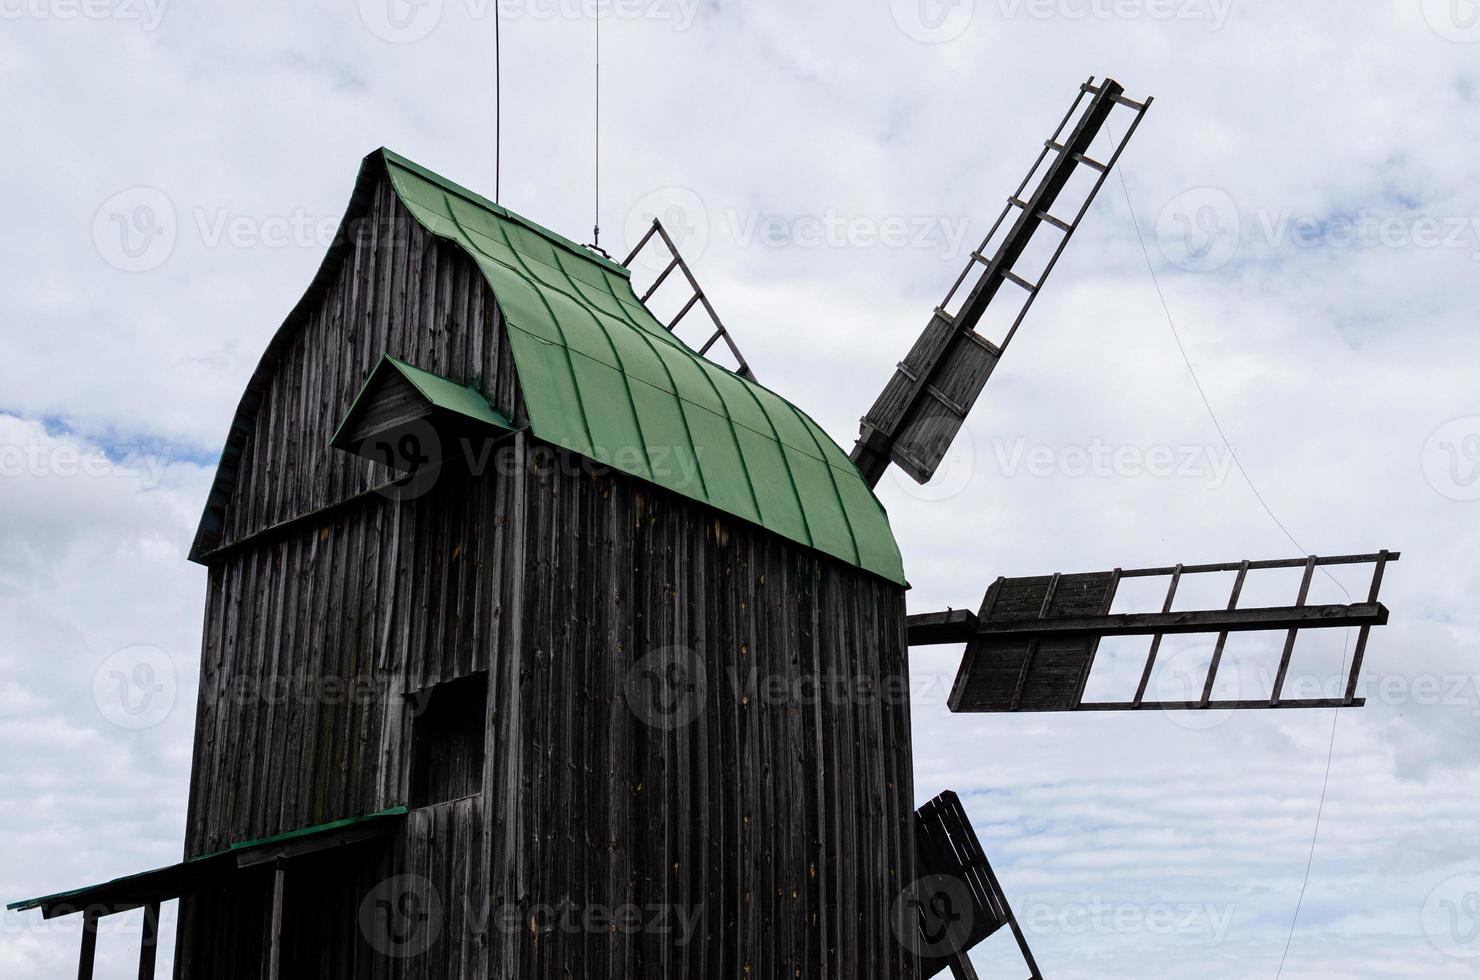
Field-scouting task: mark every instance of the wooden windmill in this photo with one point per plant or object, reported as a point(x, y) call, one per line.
point(538, 645)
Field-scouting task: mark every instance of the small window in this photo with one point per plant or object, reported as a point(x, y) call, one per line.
point(447, 731)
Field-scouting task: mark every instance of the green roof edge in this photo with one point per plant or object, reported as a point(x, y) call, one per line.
point(394, 811)
point(429, 384)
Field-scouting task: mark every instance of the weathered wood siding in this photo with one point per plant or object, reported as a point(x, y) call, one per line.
point(399, 291)
point(778, 826)
point(328, 603)
point(312, 640)
point(782, 824)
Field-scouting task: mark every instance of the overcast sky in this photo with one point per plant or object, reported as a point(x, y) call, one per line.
point(1307, 188)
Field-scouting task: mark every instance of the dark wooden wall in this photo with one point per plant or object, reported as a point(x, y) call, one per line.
point(782, 825)
point(399, 291)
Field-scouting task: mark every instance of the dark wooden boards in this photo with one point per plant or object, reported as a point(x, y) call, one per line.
point(1034, 642)
point(393, 289)
point(1032, 672)
point(778, 822)
point(959, 901)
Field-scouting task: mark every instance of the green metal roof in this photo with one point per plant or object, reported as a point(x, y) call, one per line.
point(442, 392)
point(603, 378)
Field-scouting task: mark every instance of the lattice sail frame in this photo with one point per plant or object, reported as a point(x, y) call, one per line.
point(1033, 644)
point(920, 410)
point(656, 232)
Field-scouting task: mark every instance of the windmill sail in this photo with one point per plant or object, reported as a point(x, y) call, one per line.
point(1032, 646)
point(957, 902)
point(657, 233)
point(921, 409)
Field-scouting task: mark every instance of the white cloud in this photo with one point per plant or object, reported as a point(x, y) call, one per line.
point(1330, 366)
point(91, 564)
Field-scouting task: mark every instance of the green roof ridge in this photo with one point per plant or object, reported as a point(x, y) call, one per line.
point(483, 202)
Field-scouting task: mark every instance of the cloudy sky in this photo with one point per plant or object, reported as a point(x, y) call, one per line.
point(1307, 192)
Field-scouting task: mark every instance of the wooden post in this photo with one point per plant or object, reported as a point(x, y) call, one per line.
point(1166, 607)
point(961, 967)
point(1017, 933)
point(1284, 668)
point(150, 944)
point(275, 942)
point(89, 943)
point(1362, 634)
point(1238, 587)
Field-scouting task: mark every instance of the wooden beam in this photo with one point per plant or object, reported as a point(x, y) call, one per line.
point(1166, 607)
point(1293, 635)
point(1012, 923)
point(1238, 587)
point(961, 967)
point(149, 946)
point(107, 907)
point(1362, 634)
point(951, 626)
point(1200, 705)
point(1027, 668)
point(89, 944)
point(1254, 566)
point(936, 630)
point(1089, 661)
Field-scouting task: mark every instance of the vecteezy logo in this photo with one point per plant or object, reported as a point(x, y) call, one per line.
point(1199, 230)
point(135, 688)
point(1451, 458)
point(933, 916)
point(933, 21)
point(1454, 20)
point(684, 217)
point(952, 476)
point(1181, 676)
point(1451, 917)
point(135, 230)
point(414, 452)
point(667, 688)
point(401, 21)
point(401, 916)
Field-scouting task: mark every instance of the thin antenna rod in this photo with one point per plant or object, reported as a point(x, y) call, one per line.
point(498, 107)
point(596, 221)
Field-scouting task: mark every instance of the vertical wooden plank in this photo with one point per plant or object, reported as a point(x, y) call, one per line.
point(275, 926)
point(149, 944)
point(89, 944)
point(1027, 668)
